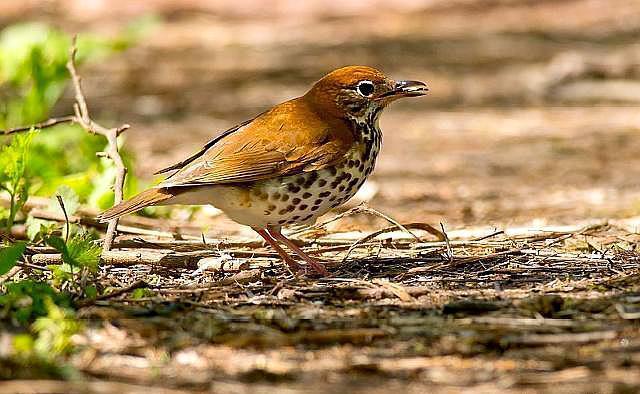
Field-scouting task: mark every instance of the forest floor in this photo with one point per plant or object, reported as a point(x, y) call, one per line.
point(526, 151)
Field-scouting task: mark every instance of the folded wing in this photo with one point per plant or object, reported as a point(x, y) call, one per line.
point(286, 140)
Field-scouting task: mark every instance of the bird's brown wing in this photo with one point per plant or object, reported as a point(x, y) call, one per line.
point(204, 149)
point(286, 140)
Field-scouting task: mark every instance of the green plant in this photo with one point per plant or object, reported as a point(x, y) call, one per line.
point(75, 165)
point(33, 72)
point(60, 160)
point(52, 334)
point(14, 179)
point(24, 301)
point(80, 256)
point(10, 255)
point(33, 75)
point(142, 292)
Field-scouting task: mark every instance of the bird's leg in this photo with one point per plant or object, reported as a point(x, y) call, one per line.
point(295, 267)
point(319, 268)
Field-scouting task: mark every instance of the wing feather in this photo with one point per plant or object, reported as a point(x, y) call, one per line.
point(286, 140)
point(208, 145)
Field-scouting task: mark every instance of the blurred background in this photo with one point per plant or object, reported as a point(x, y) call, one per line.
point(532, 116)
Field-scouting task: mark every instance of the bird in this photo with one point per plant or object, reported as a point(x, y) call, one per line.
point(290, 164)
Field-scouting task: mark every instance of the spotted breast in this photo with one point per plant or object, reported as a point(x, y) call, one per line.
point(301, 199)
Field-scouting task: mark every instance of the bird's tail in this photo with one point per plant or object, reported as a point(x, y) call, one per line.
point(154, 196)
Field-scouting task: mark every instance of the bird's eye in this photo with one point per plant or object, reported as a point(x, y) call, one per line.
point(365, 88)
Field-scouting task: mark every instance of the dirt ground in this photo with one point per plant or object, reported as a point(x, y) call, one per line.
point(531, 128)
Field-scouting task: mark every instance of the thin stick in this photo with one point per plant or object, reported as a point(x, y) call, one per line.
point(12, 272)
point(66, 235)
point(66, 218)
point(495, 233)
point(83, 118)
point(417, 226)
point(359, 209)
point(352, 211)
point(42, 125)
point(390, 220)
point(446, 240)
point(123, 290)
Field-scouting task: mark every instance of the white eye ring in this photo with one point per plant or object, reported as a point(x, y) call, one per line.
point(365, 88)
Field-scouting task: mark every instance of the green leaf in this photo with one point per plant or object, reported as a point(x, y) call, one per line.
point(13, 159)
point(32, 64)
point(142, 292)
point(24, 301)
point(55, 331)
point(58, 244)
point(39, 229)
point(13, 177)
point(61, 273)
point(80, 251)
point(84, 251)
point(10, 255)
point(91, 292)
point(23, 344)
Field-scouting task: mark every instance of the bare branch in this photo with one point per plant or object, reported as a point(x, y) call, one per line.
point(84, 119)
point(417, 226)
point(135, 285)
point(42, 125)
point(364, 208)
point(448, 243)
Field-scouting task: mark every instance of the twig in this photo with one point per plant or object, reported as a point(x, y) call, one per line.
point(137, 226)
point(136, 285)
point(414, 226)
point(66, 235)
point(626, 315)
point(166, 258)
point(352, 211)
point(390, 220)
point(35, 266)
point(493, 234)
point(517, 321)
point(417, 226)
point(446, 240)
point(66, 217)
point(563, 338)
point(12, 272)
point(83, 118)
point(360, 209)
point(42, 125)
point(6, 237)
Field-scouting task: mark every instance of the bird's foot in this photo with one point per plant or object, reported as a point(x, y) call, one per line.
point(318, 271)
point(274, 235)
point(311, 262)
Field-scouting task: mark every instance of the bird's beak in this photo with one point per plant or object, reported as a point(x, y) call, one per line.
point(411, 88)
point(405, 89)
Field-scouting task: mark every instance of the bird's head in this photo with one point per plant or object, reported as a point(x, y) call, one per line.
point(355, 92)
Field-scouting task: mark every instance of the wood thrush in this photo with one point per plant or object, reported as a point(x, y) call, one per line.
point(290, 164)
